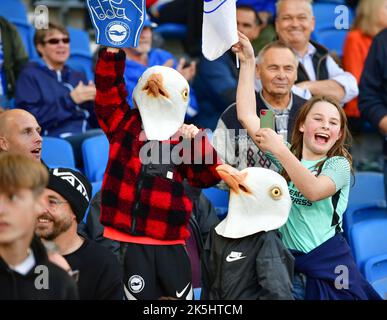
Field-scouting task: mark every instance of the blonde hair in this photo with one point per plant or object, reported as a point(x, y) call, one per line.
point(367, 16)
point(19, 172)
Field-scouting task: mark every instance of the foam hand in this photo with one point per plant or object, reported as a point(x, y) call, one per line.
point(117, 23)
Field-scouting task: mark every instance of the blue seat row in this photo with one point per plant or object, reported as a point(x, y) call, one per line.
point(333, 21)
point(365, 227)
point(369, 246)
point(366, 199)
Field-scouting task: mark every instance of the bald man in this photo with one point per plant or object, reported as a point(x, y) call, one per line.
point(20, 133)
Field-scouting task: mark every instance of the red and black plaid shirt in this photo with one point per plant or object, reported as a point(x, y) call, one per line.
point(134, 200)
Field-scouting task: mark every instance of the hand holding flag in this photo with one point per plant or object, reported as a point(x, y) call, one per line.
point(244, 49)
point(219, 27)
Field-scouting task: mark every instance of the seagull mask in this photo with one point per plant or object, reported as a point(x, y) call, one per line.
point(259, 201)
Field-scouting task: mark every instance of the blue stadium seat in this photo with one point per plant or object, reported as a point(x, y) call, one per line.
point(358, 213)
point(83, 64)
point(326, 13)
point(332, 39)
point(96, 187)
point(172, 30)
point(95, 151)
point(368, 187)
point(80, 54)
point(219, 199)
point(369, 239)
point(376, 273)
point(328, 22)
point(14, 11)
point(366, 196)
point(80, 41)
point(57, 152)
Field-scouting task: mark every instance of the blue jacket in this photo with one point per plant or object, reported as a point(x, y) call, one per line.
point(373, 83)
point(321, 269)
point(156, 57)
point(46, 94)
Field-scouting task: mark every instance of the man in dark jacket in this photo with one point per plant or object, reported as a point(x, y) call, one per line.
point(25, 271)
point(373, 89)
point(12, 58)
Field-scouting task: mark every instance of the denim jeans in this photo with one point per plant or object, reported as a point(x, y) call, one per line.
point(299, 284)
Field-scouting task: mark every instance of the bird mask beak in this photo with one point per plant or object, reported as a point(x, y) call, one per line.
point(259, 201)
point(234, 178)
point(161, 95)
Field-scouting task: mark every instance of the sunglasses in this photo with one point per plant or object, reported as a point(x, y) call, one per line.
point(56, 40)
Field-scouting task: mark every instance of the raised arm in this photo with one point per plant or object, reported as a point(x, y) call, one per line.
point(110, 102)
point(245, 98)
point(313, 188)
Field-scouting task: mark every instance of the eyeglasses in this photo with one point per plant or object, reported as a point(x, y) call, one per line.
point(54, 203)
point(57, 40)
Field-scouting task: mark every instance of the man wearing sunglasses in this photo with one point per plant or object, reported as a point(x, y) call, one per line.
point(59, 97)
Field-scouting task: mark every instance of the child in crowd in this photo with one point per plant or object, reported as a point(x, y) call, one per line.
point(317, 167)
point(26, 272)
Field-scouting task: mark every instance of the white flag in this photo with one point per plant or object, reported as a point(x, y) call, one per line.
point(219, 27)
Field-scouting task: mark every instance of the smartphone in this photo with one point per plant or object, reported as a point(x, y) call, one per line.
point(267, 119)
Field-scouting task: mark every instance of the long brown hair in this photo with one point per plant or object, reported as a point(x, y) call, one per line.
point(338, 149)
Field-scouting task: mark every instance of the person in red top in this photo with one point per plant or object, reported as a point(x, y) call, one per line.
point(371, 17)
point(143, 202)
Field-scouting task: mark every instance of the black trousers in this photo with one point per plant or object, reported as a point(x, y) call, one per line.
point(156, 272)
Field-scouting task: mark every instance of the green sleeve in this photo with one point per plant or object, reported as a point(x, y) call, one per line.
point(273, 159)
point(339, 170)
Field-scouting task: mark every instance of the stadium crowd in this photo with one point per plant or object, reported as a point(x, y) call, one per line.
point(150, 230)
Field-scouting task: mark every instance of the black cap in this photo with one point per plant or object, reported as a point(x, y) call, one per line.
point(74, 187)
